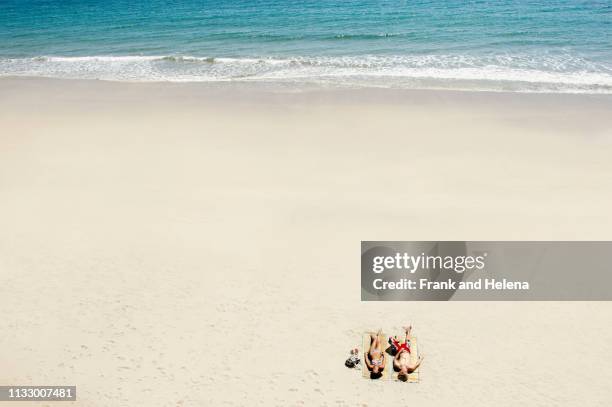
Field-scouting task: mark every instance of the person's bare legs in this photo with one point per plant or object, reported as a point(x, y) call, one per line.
point(375, 342)
point(407, 330)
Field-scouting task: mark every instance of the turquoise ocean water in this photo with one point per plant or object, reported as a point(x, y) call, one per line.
point(515, 45)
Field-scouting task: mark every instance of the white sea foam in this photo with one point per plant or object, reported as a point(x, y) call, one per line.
point(544, 73)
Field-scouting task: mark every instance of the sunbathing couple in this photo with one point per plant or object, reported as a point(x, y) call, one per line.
point(375, 358)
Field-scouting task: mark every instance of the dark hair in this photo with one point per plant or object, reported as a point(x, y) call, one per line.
point(402, 376)
point(375, 376)
point(349, 363)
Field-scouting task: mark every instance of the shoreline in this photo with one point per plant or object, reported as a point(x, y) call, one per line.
point(252, 94)
point(299, 86)
point(520, 73)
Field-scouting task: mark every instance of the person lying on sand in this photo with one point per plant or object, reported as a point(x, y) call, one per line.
point(401, 362)
point(375, 357)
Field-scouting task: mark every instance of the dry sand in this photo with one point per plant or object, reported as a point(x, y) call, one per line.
point(191, 244)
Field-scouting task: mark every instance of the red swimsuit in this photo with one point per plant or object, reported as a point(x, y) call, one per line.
point(400, 346)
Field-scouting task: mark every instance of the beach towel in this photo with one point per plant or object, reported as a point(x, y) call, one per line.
point(413, 377)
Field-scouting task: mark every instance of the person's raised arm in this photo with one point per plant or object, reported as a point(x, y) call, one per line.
point(417, 364)
point(366, 359)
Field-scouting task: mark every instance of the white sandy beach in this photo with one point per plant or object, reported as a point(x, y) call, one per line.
point(193, 244)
